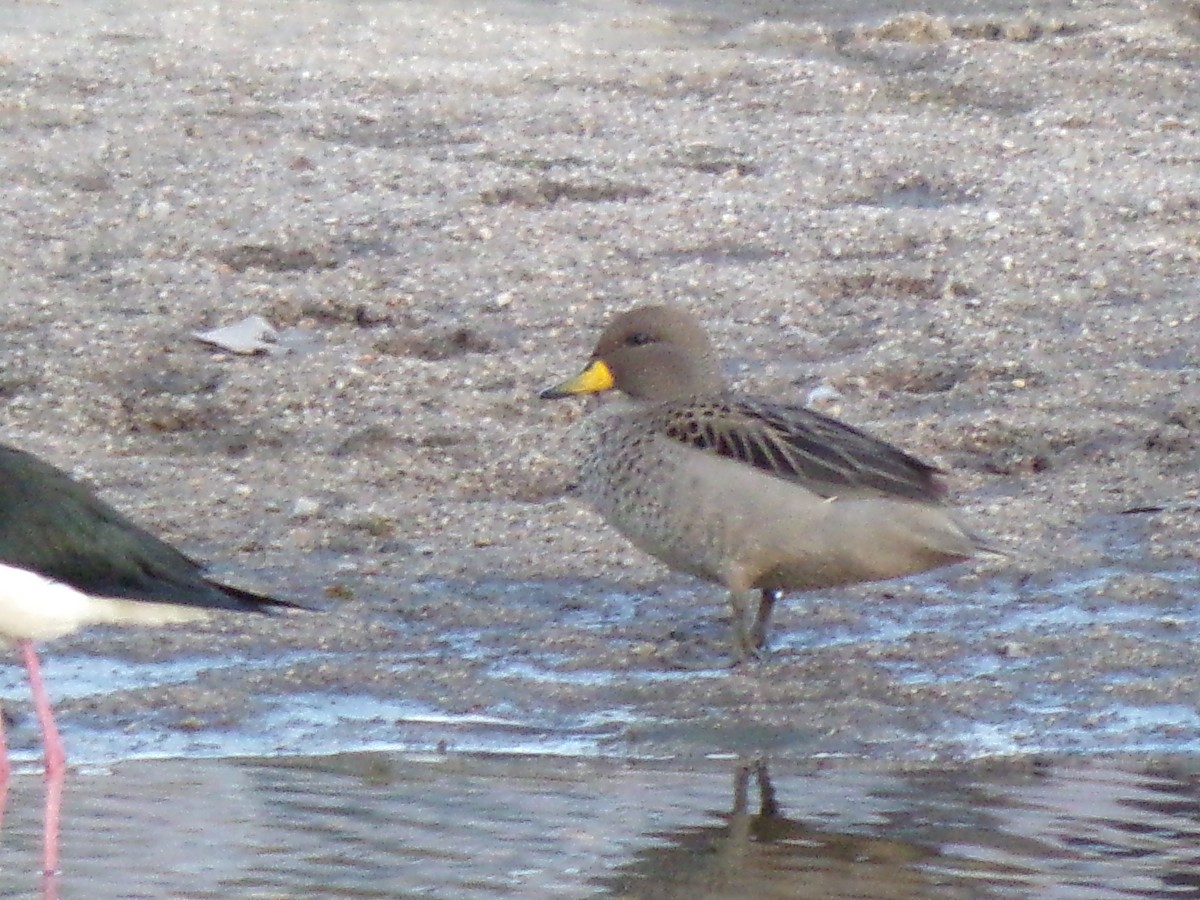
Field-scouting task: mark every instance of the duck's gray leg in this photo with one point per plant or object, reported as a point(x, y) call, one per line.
point(762, 621)
point(742, 647)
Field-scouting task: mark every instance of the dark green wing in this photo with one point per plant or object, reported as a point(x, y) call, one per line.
point(52, 524)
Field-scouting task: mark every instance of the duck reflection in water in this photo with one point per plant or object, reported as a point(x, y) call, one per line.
point(766, 855)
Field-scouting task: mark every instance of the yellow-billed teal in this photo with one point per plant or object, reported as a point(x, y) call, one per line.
point(758, 495)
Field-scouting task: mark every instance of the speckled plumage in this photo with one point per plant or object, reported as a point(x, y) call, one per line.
point(760, 496)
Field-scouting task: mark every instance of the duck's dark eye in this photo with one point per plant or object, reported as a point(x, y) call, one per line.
point(639, 339)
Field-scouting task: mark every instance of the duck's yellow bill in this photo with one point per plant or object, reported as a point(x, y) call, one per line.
point(595, 378)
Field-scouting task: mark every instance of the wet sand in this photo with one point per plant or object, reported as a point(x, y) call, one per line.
point(974, 233)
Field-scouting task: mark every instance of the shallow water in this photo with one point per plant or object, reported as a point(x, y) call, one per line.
point(956, 666)
point(393, 825)
point(929, 745)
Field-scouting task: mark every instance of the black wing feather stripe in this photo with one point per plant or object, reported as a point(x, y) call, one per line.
point(764, 456)
point(782, 462)
point(738, 446)
point(798, 444)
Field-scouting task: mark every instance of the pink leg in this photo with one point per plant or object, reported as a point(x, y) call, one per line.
point(5, 768)
point(56, 758)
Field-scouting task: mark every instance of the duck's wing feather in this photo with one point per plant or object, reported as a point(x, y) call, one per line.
point(799, 445)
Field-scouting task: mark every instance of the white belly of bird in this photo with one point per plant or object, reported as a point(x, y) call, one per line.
point(34, 607)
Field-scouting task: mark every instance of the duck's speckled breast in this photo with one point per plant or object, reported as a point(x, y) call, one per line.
point(640, 482)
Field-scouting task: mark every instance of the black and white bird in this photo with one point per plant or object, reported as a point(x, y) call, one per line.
point(68, 560)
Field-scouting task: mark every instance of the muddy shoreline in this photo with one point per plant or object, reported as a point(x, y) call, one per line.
point(972, 232)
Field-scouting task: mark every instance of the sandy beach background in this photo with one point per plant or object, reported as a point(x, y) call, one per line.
point(973, 229)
